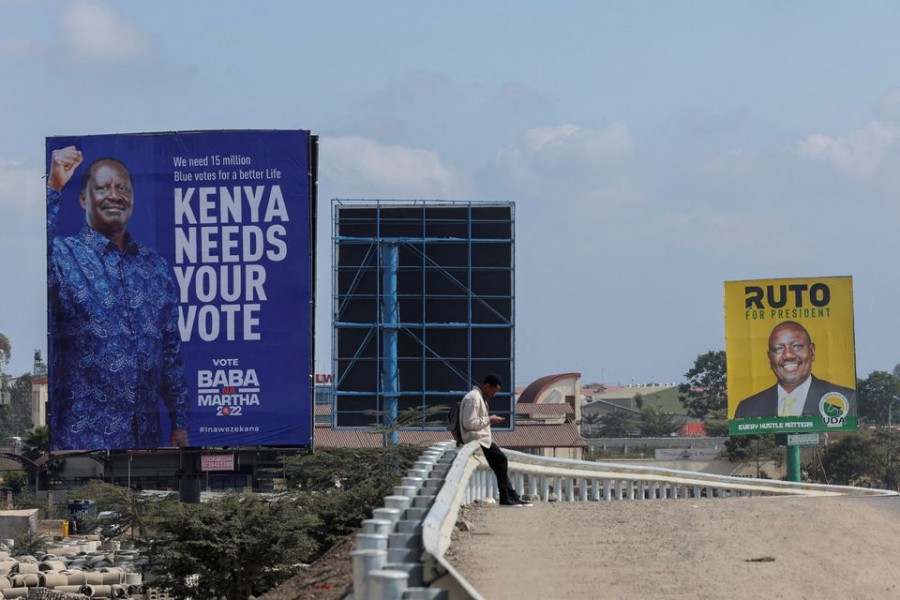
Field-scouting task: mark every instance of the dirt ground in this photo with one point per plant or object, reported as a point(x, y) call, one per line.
point(329, 578)
point(736, 548)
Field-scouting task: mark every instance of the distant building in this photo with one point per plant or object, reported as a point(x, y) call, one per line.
point(546, 423)
point(39, 398)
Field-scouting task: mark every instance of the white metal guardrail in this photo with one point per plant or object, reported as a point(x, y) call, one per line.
point(400, 552)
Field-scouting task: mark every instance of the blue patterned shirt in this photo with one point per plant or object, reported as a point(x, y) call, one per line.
point(114, 342)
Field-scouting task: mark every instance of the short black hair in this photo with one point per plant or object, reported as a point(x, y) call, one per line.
point(89, 170)
point(492, 379)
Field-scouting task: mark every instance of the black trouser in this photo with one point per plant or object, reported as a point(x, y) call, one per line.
point(500, 466)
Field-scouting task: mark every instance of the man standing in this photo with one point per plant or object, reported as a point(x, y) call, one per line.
point(113, 318)
point(797, 392)
point(475, 423)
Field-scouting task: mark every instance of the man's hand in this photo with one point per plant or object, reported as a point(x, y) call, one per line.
point(178, 438)
point(63, 163)
point(496, 419)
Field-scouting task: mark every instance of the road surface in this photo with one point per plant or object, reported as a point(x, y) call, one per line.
point(736, 548)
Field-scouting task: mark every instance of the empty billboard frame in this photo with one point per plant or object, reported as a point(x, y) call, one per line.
point(423, 308)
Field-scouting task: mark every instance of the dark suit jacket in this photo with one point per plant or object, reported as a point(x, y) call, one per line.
point(765, 403)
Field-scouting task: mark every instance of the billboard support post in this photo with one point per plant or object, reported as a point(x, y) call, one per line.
point(390, 260)
point(793, 463)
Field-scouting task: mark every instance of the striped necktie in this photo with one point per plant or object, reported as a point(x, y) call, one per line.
point(787, 409)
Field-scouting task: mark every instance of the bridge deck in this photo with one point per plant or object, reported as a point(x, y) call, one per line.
point(737, 548)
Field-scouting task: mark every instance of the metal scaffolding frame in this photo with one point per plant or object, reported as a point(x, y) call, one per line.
point(379, 264)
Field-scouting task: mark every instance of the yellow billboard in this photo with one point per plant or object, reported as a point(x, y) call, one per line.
point(790, 355)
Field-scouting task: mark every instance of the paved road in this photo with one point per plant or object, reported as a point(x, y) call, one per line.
point(736, 548)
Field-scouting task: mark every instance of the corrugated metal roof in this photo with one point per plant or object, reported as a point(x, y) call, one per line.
point(629, 392)
point(557, 408)
point(541, 436)
point(525, 436)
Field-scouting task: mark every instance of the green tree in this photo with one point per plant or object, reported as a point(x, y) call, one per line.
point(861, 459)
point(656, 422)
point(133, 511)
point(15, 417)
point(36, 442)
point(233, 548)
point(342, 485)
point(717, 423)
point(755, 449)
point(15, 482)
point(706, 389)
point(590, 419)
point(852, 459)
point(618, 423)
point(5, 351)
point(879, 397)
point(638, 401)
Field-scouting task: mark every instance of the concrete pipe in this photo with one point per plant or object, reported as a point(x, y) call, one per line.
point(93, 578)
point(75, 577)
point(97, 591)
point(52, 580)
point(68, 589)
point(26, 567)
point(110, 577)
point(52, 565)
point(26, 580)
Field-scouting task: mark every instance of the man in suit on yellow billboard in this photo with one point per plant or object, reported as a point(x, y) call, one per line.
point(797, 392)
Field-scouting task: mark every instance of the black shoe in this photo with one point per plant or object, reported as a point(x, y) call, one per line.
point(510, 502)
point(516, 497)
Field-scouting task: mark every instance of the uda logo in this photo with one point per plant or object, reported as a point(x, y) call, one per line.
point(834, 408)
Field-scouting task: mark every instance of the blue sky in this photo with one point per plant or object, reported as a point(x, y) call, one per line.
point(653, 149)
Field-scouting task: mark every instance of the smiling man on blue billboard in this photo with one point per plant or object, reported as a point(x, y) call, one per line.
point(114, 320)
point(181, 287)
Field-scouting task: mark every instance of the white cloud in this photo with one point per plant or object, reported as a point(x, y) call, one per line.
point(568, 162)
point(93, 30)
point(362, 168)
point(859, 153)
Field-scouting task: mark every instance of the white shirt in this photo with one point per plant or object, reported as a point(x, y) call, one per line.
point(799, 394)
point(474, 419)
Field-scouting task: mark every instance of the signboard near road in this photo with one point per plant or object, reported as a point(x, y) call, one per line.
point(803, 439)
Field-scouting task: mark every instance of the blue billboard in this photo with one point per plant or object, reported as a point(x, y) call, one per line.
point(180, 289)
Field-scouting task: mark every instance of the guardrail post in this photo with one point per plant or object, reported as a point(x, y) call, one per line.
point(371, 541)
point(379, 526)
point(364, 562)
point(607, 490)
point(387, 585)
